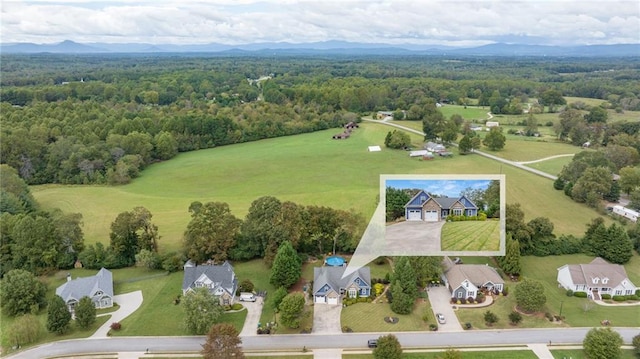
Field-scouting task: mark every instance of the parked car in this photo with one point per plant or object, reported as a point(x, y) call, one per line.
point(247, 297)
point(440, 318)
point(372, 343)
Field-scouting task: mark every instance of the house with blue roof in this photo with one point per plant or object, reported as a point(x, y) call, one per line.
point(98, 287)
point(424, 207)
point(329, 287)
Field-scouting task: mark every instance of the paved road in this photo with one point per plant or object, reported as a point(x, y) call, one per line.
point(566, 336)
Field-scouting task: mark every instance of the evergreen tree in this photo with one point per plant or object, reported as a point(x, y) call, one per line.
point(58, 316)
point(287, 267)
point(530, 295)
point(620, 247)
point(404, 287)
point(85, 313)
point(510, 262)
point(291, 308)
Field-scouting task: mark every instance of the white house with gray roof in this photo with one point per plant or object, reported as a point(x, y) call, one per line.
point(98, 287)
point(596, 278)
point(329, 287)
point(466, 280)
point(219, 279)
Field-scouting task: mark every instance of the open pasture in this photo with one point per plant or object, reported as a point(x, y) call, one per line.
point(309, 169)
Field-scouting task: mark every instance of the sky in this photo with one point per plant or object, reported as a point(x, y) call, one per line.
point(449, 188)
point(235, 22)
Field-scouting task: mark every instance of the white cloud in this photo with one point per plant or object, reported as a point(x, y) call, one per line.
point(249, 21)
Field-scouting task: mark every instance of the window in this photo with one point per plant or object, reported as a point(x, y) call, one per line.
point(618, 292)
point(605, 280)
point(459, 294)
point(457, 211)
point(353, 293)
point(629, 292)
point(596, 280)
point(423, 199)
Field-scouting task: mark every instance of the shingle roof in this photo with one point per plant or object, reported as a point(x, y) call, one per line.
point(477, 274)
point(333, 277)
point(598, 268)
point(223, 275)
point(87, 286)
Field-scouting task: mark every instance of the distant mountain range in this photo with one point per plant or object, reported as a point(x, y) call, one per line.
point(327, 47)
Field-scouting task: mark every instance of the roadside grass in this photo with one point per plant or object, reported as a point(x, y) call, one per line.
point(579, 354)
point(239, 174)
point(369, 317)
point(502, 306)
point(551, 166)
point(488, 354)
point(533, 150)
point(470, 236)
point(578, 312)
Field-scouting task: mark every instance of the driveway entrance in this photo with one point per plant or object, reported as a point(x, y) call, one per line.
point(326, 319)
point(440, 299)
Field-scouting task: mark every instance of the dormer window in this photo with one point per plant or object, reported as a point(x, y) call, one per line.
point(605, 280)
point(596, 280)
point(99, 292)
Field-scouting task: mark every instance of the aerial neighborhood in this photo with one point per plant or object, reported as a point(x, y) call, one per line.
point(154, 205)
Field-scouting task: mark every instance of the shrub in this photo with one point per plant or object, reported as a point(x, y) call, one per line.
point(236, 306)
point(346, 329)
point(569, 293)
point(633, 297)
point(116, 326)
point(606, 296)
point(433, 327)
point(490, 318)
point(548, 316)
point(580, 294)
point(467, 326)
point(515, 317)
point(619, 298)
point(246, 286)
point(505, 291)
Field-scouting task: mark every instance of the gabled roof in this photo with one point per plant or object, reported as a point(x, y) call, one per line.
point(333, 277)
point(448, 202)
point(477, 274)
point(597, 268)
point(222, 275)
point(411, 201)
point(87, 286)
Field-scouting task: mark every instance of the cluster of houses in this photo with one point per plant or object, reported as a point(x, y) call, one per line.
point(347, 131)
point(330, 287)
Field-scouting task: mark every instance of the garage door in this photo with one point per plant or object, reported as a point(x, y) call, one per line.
point(414, 215)
point(431, 216)
point(333, 300)
point(320, 299)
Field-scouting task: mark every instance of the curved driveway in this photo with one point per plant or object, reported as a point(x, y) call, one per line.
point(128, 302)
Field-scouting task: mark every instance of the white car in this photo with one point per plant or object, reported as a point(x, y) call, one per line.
point(247, 297)
point(440, 318)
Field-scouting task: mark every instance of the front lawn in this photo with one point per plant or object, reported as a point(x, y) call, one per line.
point(579, 354)
point(369, 317)
point(489, 354)
point(471, 236)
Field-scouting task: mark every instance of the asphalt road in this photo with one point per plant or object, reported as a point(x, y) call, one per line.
point(318, 341)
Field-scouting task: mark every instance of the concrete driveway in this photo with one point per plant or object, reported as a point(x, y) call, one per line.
point(326, 319)
point(128, 303)
point(254, 309)
point(414, 237)
point(440, 299)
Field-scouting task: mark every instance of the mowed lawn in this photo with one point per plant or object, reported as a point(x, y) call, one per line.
point(369, 317)
point(308, 169)
point(489, 354)
point(551, 166)
point(579, 312)
point(471, 236)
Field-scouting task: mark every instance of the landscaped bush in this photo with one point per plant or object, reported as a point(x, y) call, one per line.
point(346, 329)
point(548, 316)
point(606, 296)
point(580, 294)
point(363, 299)
point(619, 298)
point(433, 327)
point(116, 326)
point(467, 326)
point(569, 293)
point(236, 306)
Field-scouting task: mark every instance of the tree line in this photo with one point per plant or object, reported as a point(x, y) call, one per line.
point(106, 118)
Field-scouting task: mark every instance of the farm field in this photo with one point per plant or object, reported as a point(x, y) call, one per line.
point(308, 169)
point(471, 236)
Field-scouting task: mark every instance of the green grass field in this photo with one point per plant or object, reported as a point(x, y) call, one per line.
point(579, 312)
point(552, 166)
point(488, 354)
point(471, 236)
point(579, 354)
point(310, 169)
point(369, 317)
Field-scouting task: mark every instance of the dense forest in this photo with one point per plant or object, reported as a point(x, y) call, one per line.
point(102, 118)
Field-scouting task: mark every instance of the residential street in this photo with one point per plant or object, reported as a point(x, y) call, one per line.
point(560, 336)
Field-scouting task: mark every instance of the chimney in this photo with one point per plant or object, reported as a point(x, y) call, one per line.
point(68, 277)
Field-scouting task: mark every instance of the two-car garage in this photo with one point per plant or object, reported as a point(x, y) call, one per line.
point(416, 215)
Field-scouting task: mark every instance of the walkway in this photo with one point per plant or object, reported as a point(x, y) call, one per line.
point(129, 303)
point(541, 350)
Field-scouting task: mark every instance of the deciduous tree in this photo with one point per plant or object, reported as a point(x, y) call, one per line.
point(212, 232)
point(629, 179)
point(495, 140)
point(85, 313)
point(58, 316)
point(21, 293)
point(388, 348)
point(530, 295)
point(395, 201)
point(602, 343)
point(223, 342)
point(287, 268)
point(202, 310)
point(291, 309)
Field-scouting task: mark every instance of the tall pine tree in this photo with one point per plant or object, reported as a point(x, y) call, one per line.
point(287, 267)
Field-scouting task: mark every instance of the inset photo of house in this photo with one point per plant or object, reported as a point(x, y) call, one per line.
point(444, 214)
